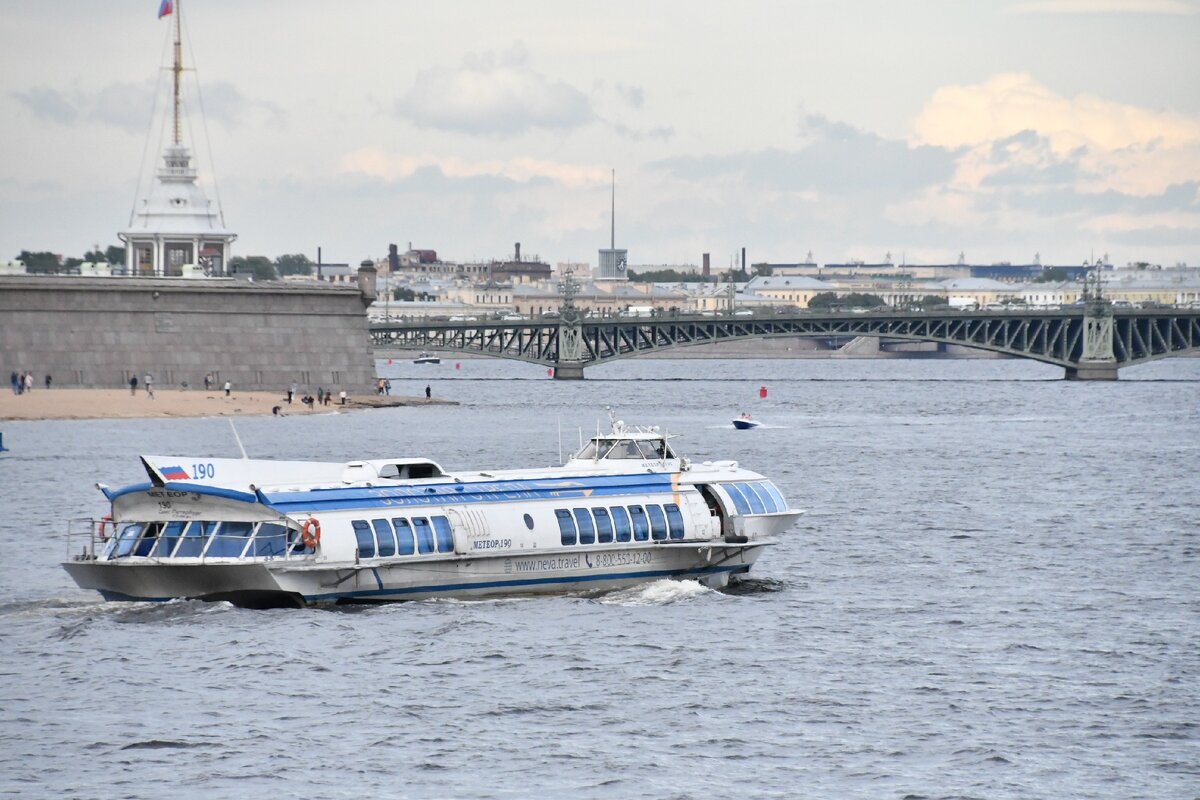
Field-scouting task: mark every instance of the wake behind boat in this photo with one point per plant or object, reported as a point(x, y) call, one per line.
point(623, 510)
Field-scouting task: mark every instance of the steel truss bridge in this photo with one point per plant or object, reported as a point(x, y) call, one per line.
point(1090, 343)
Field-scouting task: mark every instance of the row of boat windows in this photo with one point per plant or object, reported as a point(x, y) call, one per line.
point(204, 538)
point(619, 523)
point(400, 536)
point(755, 498)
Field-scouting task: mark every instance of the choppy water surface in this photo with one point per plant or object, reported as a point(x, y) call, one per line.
point(993, 595)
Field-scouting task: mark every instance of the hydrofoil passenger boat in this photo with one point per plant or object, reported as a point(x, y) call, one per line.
point(623, 510)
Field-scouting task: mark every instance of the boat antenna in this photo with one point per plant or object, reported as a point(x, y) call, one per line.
point(238, 439)
point(560, 458)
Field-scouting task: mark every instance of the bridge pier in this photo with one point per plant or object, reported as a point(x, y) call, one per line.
point(1092, 371)
point(568, 371)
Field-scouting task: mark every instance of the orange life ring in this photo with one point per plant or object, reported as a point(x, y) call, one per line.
point(310, 533)
point(105, 520)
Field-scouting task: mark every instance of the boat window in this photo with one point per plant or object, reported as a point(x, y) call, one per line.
point(780, 503)
point(674, 520)
point(653, 450)
point(194, 539)
point(230, 540)
point(739, 499)
point(587, 530)
point(445, 537)
point(625, 449)
point(391, 471)
point(366, 539)
point(604, 528)
point(404, 536)
point(424, 535)
point(384, 538)
point(658, 522)
point(566, 526)
point(763, 496)
point(756, 503)
point(271, 539)
point(589, 450)
point(641, 528)
point(168, 539)
point(621, 522)
point(129, 534)
point(146, 543)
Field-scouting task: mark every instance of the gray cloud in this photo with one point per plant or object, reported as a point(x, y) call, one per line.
point(634, 96)
point(491, 95)
point(49, 104)
point(834, 158)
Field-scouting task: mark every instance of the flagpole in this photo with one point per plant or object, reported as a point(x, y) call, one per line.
point(178, 64)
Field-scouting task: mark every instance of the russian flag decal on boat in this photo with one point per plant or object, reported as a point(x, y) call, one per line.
point(175, 473)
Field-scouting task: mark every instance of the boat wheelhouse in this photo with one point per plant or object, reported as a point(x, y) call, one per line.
point(625, 509)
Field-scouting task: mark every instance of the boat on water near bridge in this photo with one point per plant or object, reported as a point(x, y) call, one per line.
point(623, 510)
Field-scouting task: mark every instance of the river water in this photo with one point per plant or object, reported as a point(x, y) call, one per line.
point(993, 595)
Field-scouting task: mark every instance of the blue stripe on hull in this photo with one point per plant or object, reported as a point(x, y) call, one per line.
point(456, 587)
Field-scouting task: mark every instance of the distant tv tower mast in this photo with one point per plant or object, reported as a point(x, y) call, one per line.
point(613, 262)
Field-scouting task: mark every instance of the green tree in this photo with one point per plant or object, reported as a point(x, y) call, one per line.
point(259, 266)
point(114, 254)
point(403, 293)
point(95, 256)
point(666, 276)
point(763, 269)
point(295, 264)
point(830, 301)
point(1052, 274)
point(40, 262)
point(934, 300)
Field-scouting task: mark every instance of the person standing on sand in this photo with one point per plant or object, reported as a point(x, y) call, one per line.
point(428, 392)
point(228, 388)
point(207, 381)
point(328, 397)
point(29, 381)
point(133, 385)
point(48, 381)
point(15, 379)
point(291, 392)
point(149, 385)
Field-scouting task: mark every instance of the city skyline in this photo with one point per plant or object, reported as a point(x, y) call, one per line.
point(1068, 128)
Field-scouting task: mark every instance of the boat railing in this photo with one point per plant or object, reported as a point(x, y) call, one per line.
point(82, 533)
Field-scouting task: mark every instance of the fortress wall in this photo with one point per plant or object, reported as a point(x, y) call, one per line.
point(97, 332)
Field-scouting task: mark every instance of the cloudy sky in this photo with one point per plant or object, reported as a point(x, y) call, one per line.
point(995, 128)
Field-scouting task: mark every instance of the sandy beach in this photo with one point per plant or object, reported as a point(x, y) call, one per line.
point(118, 404)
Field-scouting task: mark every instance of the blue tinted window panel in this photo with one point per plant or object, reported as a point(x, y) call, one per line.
point(366, 539)
point(424, 535)
point(404, 537)
point(445, 537)
point(641, 526)
point(587, 529)
point(674, 521)
point(658, 522)
point(230, 540)
point(780, 503)
point(604, 528)
point(129, 536)
point(168, 539)
point(739, 499)
point(145, 545)
point(194, 539)
point(764, 497)
point(621, 522)
point(756, 506)
point(271, 539)
point(384, 538)
point(566, 526)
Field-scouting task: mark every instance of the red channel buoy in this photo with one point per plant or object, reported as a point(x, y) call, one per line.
point(457, 365)
point(762, 391)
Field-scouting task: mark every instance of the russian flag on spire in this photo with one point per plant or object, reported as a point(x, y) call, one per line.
point(164, 8)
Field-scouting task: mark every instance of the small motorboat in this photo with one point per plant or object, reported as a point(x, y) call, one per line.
point(427, 358)
point(745, 423)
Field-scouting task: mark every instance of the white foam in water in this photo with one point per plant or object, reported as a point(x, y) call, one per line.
point(657, 593)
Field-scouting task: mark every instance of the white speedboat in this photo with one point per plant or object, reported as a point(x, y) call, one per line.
point(625, 509)
point(427, 358)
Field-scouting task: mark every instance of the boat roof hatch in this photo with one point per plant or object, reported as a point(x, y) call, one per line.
point(398, 469)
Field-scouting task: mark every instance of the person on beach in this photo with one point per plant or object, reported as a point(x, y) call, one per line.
point(207, 381)
point(48, 381)
point(328, 397)
point(291, 393)
point(228, 388)
point(16, 383)
point(428, 392)
point(320, 396)
point(149, 386)
point(132, 385)
point(29, 381)
point(387, 387)
point(342, 396)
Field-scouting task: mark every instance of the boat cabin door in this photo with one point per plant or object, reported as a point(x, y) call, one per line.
point(467, 525)
point(716, 509)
